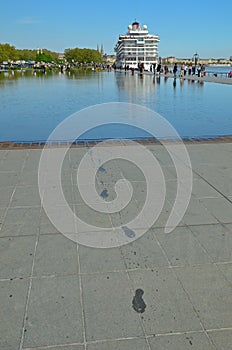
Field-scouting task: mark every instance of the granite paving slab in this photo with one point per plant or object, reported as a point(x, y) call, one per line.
point(93, 260)
point(168, 307)
point(193, 341)
point(135, 344)
point(55, 255)
point(16, 256)
point(222, 338)
point(54, 312)
point(21, 222)
point(13, 296)
point(210, 293)
point(181, 247)
point(107, 300)
point(216, 240)
point(55, 295)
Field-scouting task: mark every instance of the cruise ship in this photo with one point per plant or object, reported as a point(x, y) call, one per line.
point(136, 47)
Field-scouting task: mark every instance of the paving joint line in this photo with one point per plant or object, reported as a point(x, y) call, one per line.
point(163, 267)
point(99, 341)
point(187, 294)
point(29, 287)
point(15, 187)
point(132, 289)
point(79, 276)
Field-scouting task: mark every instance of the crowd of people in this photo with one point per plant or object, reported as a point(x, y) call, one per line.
point(182, 71)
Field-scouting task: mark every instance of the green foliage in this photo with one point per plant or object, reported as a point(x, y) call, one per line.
point(8, 52)
point(27, 55)
point(46, 56)
point(83, 55)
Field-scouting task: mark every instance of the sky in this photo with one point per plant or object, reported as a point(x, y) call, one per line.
point(184, 27)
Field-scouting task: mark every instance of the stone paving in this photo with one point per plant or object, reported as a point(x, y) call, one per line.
point(57, 295)
point(221, 79)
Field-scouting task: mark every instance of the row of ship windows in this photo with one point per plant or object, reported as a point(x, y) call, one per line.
point(137, 53)
point(138, 50)
point(137, 45)
point(150, 40)
point(147, 58)
point(151, 59)
point(138, 42)
point(132, 48)
point(140, 54)
point(134, 43)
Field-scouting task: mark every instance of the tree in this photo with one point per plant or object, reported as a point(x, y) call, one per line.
point(83, 55)
point(8, 52)
point(27, 55)
point(46, 56)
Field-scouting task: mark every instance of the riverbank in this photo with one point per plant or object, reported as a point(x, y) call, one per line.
point(8, 145)
point(207, 78)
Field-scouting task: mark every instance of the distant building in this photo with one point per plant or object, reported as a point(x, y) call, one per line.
point(102, 50)
point(110, 59)
point(136, 47)
point(61, 56)
point(171, 60)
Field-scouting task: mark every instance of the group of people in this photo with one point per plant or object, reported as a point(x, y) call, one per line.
point(183, 71)
point(156, 68)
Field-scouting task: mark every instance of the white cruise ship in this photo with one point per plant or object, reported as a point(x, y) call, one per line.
point(136, 47)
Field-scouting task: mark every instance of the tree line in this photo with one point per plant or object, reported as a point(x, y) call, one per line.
point(9, 52)
point(83, 55)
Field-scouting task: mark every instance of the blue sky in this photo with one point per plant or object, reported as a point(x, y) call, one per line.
point(184, 27)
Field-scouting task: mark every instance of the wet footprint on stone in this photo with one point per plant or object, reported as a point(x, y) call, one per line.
point(138, 302)
point(101, 169)
point(104, 194)
point(128, 232)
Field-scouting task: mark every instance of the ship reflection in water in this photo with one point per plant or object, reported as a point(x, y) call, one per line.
point(33, 105)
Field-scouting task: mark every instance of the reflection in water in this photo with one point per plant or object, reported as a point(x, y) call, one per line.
point(14, 75)
point(134, 88)
point(200, 83)
point(158, 79)
point(33, 104)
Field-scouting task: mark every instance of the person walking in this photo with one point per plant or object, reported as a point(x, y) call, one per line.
point(166, 70)
point(182, 71)
point(158, 70)
point(202, 70)
point(154, 68)
point(175, 69)
point(185, 69)
point(190, 69)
